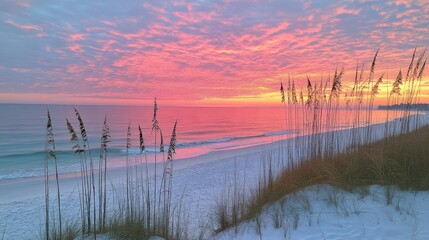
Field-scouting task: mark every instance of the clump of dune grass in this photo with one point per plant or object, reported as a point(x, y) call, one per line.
point(149, 210)
point(398, 160)
point(402, 164)
point(88, 192)
point(69, 232)
point(396, 164)
point(144, 210)
point(230, 203)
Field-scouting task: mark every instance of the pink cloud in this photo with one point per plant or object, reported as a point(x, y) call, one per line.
point(107, 45)
point(193, 17)
point(109, 23)
point(154, 8)
point(344, 10)
point(77, 37)
point(406, 3)
point(75, 48)
point(24, 27)
point(74, 69)
point(408, 13)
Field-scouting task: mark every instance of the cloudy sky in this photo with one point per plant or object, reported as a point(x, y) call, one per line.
point(199, 52)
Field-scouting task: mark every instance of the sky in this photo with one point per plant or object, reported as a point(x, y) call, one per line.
point(197, 53)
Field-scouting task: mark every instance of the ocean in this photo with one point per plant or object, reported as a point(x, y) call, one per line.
point(200, 130)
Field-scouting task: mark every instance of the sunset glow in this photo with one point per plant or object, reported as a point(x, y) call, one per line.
point(198, 53)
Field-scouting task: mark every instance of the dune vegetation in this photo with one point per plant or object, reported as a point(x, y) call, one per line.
point(317, 156)
point(321, 155)
point(144, 210)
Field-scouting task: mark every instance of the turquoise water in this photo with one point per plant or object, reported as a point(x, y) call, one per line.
point(199, 131)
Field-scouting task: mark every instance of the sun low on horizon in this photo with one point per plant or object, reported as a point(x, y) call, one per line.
point(200, 53)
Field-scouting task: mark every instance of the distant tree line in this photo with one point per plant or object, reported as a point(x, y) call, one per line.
point(416, 106)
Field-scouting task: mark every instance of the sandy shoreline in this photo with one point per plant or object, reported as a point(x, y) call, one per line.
point(197, 183)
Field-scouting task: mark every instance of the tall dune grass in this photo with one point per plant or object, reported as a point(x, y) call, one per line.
point(51, 155)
